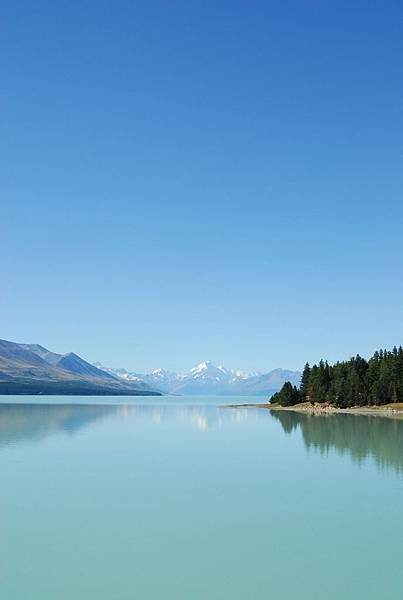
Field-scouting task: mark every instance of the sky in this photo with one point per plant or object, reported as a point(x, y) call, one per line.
point(193, 180)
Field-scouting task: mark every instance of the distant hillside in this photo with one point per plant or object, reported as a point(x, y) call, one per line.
point(207, 379)
point(69, 362)
point(32, 369)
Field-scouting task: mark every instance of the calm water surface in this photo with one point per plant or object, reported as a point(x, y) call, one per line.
point(182, 499)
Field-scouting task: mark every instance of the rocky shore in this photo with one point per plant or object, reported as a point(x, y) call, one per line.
point(395, 410)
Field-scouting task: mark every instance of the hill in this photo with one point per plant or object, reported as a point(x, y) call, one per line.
point(32, 369)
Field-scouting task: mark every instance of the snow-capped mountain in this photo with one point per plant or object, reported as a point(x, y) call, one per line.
point(207, 379)
point(119, 372)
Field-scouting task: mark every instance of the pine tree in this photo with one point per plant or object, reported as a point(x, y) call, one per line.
point(304, 386)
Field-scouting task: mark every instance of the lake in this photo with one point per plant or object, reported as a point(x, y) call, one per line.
point(180, 498)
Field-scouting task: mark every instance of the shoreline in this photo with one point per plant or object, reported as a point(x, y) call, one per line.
point(387, 410)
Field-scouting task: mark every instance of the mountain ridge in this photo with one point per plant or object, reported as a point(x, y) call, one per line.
point(25, 370)
point(207, 379)
point(33, 369)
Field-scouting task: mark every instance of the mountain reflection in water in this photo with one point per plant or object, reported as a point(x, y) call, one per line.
point(34, 422)
point(360, 437)
point(30, 422)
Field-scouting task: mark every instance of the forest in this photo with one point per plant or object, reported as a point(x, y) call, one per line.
point(355, 382)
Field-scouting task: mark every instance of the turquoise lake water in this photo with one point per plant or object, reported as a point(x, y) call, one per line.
point(179, 498)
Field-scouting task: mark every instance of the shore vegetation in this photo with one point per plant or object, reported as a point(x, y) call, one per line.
point(351, 383)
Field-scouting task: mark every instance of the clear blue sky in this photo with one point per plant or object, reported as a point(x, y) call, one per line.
point(195, 180)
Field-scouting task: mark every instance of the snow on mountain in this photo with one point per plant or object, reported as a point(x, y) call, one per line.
point(119, 372)
point(206, 371)
point(207, 379)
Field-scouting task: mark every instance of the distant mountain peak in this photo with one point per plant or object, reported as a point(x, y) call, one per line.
point(202, 366)
point(34, 348)
point(206, 378)
point(160, 372)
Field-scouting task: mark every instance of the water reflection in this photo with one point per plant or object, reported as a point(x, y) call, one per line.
point(201, 417)
point(361, 437)
point(30, 422)
point(34, 422)
point(358, 436)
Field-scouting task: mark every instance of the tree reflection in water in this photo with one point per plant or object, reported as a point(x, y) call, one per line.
point(359, 436)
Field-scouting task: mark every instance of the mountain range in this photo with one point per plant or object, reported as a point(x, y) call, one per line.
point(207, 379)
point(32, 369)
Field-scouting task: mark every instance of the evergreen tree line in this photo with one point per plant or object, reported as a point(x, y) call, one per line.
point(355, 382)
